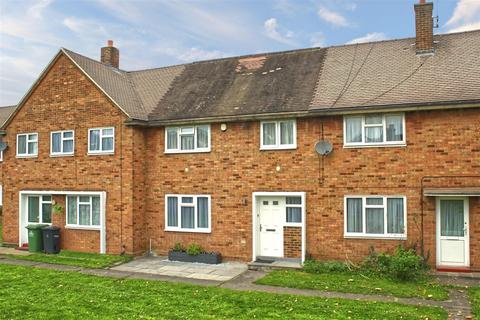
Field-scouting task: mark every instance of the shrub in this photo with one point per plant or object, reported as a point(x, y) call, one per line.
point(314, 266)
point(177, 247)
point(194, 249)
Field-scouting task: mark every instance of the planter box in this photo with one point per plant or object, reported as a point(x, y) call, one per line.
point(210, 258)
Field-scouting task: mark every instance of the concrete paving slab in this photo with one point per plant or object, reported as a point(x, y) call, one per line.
point(13, 251)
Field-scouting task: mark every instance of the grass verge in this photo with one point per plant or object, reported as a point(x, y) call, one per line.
point(354, 283)
point(474, 294)
point(27, 292)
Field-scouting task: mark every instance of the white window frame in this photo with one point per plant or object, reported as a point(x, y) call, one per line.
point(196, 229)
point(62, 139)
point(97, 152)
point(385, 235)
point(195, 149)
point(27, 141)
point(294, 224)
point(90, 203)
point(1, 156)
point(383, 143)
point(277, 145)
point(40, 208)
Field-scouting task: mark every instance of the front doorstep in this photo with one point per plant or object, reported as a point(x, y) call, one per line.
point(209, 258)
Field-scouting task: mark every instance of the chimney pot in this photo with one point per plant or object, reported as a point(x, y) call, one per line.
point(110, 43)
point(424, 27)
point(110, 55)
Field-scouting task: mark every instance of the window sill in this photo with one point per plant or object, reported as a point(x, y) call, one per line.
point(187, 230)
point(278, 148)
point(27, 156)
point(375, 237)
point(57, 155)
point(186, 151)
point(101, 153)
point(383, 145)
point(83, 228)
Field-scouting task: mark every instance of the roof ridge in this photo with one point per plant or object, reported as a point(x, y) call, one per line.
point(93, 60)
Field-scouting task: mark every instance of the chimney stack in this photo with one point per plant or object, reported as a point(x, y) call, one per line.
point(110, 55)
point(424, 27)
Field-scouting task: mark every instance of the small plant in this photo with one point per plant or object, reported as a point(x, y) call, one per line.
point(57, 209)
point(178, 247)
point(194, 249)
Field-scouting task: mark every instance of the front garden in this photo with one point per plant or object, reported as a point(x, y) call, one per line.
point(474, 294)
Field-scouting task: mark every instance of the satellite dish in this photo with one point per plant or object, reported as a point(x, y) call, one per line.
point(323, 147)
point(3, 145)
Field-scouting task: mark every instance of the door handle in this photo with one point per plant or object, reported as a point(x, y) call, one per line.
point(260, 228)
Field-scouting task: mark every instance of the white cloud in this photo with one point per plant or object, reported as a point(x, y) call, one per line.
point(84, 27)
point(191, 54)
point(332, 17)
point(317, 39)
point(465, 17)
point(36, 10)
point(272, 27)
point(369, 37)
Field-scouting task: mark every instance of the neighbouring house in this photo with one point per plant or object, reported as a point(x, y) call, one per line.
point(235, 154)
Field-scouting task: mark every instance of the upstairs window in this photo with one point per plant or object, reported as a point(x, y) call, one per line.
point(27, 145)
point(280, 134)
point(187, 139)
point(62, 143)
point(101, 140)
point(374, 129)
point(188, 213)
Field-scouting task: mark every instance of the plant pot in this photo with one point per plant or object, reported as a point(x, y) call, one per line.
point(210, 258)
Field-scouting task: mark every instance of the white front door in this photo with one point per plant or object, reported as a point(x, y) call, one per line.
point(271, 215)
point(38, 210)
point(452, 232)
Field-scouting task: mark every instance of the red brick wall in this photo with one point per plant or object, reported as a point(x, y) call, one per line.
point(66, 99)
point(292, 242)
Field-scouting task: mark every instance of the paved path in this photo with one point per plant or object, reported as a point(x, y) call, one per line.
point(457, 306)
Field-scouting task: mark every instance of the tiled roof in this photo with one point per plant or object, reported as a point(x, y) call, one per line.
point(5, 112)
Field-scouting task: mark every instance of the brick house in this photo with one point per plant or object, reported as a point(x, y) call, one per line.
point(234, 154)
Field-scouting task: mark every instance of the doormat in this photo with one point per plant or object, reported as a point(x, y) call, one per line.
point(264, 261)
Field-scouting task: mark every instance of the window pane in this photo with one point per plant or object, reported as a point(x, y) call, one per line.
point(395, 223)
point(202, 209)
point(96, 211)
point(286, 132)
point(354, 215)
point(107, 144)
point(172, 207)
point(188, 217)
point(84, 214)
point(94, 140)
point(187, 199)
point(202, 137)
point(373, 119)
point(374, 220)
point(452, 218)
point(294, 200)
point(187, 130)
point(56, 142)
point(172, 138)
point(32, 148)
point(68, 134)
point(269, 133)
point(32, 137)
point(46, 213)
point(22, 145)
point(294, 214)
point(187, 142)
point(374, 201)
point(68, 146)
point(394, 125)
point(353, 129)
point(107, 132)
point(72, 210)
point(85, 199)
point(33, 209)
point(46, 198)
point(374, 134)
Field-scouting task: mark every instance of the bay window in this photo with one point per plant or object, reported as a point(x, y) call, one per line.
point(374, 129)
point(188, 213)
point(280, 134)
point(375, 216)
point(187, 139)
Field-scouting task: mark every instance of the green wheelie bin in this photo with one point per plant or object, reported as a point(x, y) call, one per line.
point(35, 238)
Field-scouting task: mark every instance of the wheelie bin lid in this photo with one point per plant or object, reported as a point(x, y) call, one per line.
point(36, 226)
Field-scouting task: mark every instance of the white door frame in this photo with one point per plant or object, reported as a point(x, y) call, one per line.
point(467, 236)
point(103, 204)
point(255, 234)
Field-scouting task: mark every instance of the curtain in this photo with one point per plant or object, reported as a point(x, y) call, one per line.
point(22, 145)
point(107, 144)
point(95, 140)
point(354, 129)
point(172, 207)
point(374, 220)
point(294, 214)
point(187, 142)
point(374, 134)
point(452, 218)
point(72, 210)
point(96, 211)
point(56, 142)
point(202, 136)
point(374, 201)
point(68, 143)
point(46, 213)
point(187, 217)
point(354, 215)
point(269, 133)
point(286, 132)
point(202, 210)
point(33, 209)
point(395, 216)
point(84, 214)
point(394, 125)
point(33, 147)
point(172, 138)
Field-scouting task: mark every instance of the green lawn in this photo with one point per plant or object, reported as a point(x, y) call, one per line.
point(35, 293)
point(475, 300)
point(353, 283)
point(80, 259)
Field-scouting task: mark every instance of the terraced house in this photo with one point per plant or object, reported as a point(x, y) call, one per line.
point(320, 152)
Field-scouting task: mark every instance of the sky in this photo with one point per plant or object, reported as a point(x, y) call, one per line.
point(157, 33)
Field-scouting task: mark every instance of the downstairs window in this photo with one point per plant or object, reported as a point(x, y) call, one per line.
point(83, 211)
point(188, 213)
